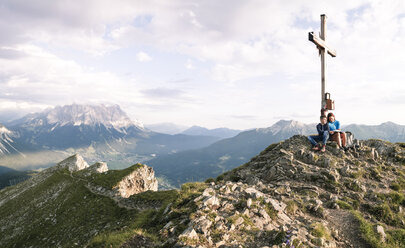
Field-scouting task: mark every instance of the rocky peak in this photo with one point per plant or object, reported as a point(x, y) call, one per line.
point(291, 196)
point(98, 167)
point(289, 127)
point(76, 114)
point(4, 130)
point(140, 180)
point(73, 163)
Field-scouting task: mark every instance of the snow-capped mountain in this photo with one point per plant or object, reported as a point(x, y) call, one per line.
point(76, 115)
point(98, 132)
point(6, 141)
point(73, 126)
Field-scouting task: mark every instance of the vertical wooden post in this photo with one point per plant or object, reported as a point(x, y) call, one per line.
point(323, 60)
point(324, 50)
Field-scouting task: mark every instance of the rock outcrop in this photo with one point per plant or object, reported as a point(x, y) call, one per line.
point(73, 163)
point(99, 167)
point(140, 180)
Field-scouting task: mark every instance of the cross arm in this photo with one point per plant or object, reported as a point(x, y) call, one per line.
point(321, 43)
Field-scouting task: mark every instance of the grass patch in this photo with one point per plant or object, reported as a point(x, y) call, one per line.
point(395, 237)
point(383, 213)
point(395, 186)
point(344, 205)
point(291, 207)
point(270, 211)
point(320, 231)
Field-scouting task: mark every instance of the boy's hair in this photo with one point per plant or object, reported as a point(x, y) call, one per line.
point(322, 116)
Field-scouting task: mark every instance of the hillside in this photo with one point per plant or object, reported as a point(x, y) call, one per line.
point(71, 202)
point(223, 155)
point(287, 196)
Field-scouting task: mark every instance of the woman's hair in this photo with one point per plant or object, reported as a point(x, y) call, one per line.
point(331, 114)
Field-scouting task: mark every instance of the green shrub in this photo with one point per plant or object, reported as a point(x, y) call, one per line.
point(344, 205)
point(209, 180)
point(320, 231)
point(395, 186)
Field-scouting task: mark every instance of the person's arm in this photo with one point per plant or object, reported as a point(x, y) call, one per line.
point(330, 131)
point(319, 128)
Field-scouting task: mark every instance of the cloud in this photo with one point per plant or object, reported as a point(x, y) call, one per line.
point(143, 57)
point(10, 53)
point(41, 78)
point(244, 117)
point(247, 57)
point(189, 65)
point(163, 93)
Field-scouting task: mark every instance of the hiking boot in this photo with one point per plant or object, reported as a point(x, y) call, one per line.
point(315, 148)
point(323, 148)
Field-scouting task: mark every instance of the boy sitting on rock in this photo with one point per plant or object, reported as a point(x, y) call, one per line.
point(323, 135)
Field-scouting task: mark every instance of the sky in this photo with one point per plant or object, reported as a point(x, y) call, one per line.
point(230, 63)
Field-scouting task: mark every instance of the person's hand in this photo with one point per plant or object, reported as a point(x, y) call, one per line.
point(331, 132)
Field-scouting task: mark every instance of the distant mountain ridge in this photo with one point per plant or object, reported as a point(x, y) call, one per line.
point(200, 164)
point(387, 131)
point(99, 132)
point(166, 127)
point(218, 132)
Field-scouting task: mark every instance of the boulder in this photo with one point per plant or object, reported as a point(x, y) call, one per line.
point(380, 230)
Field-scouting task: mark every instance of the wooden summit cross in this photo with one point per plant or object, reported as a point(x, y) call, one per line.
point(323, 48)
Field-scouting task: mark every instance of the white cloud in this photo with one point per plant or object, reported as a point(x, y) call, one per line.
point(189, 65)
point(249, 48)
point(143, 57)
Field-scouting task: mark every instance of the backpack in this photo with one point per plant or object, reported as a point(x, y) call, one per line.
point(349, 139)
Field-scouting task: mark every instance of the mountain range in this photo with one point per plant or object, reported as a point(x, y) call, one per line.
point(217, 132)
point(385, 131)
point(171, 128)
point(166, 127)
point(223, 155)
point(98, 132)
point(287, 195)
point(106, 133)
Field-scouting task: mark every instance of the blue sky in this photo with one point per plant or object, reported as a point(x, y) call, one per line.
point(238, 64)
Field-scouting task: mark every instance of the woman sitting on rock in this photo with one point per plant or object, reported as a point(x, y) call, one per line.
point(334, 130)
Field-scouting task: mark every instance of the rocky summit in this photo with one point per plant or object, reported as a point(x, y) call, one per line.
point(290, 196)
point(287, 196)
